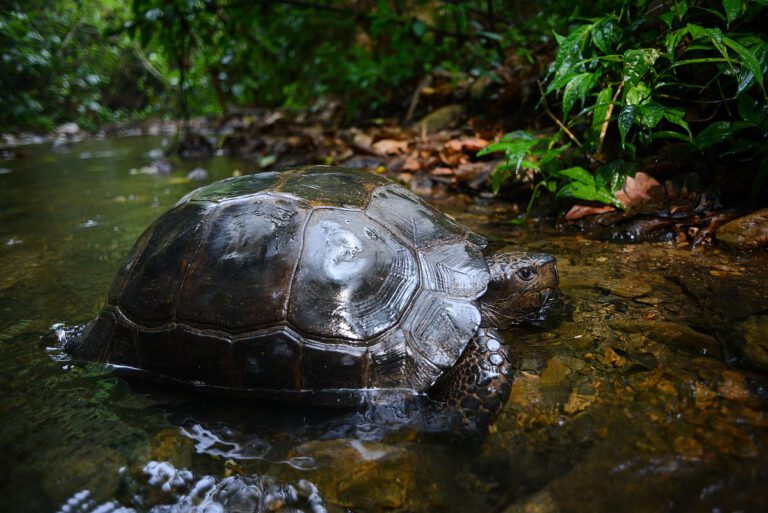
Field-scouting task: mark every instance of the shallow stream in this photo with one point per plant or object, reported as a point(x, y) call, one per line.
point(646, 391)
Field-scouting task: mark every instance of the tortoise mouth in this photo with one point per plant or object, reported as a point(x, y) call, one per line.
point(546, 299)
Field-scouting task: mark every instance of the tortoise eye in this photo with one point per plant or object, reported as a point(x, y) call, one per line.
point(526, 273)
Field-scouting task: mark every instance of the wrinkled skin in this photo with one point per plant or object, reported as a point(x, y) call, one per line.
point(520, 289)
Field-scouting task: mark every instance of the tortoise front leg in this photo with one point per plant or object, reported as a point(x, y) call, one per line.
point(480, 382)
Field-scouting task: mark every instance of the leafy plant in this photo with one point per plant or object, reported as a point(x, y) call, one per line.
point(674, 71)
point(57, 65)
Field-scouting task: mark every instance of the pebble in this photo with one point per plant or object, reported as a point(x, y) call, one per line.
point(743, 233)
point(198, 174)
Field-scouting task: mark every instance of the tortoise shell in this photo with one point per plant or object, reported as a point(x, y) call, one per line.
point(315, 278)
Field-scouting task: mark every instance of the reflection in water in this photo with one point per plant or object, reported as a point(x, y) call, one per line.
point(172, 490)
point(646, 390)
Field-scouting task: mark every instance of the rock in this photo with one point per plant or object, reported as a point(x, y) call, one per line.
point(91, 468)
point(672, 334)
point(526, 390)
point(688, 448)
point(748, 232)
point(577, 403)
point(540, 502)
point(733, 386)
point(163, 166)
point(356, 465)
point(156, 153)
point(555, 372)
point(67, 130)
point(198, 174)
point(169, 445)
point(754, 330)
point(441, 119)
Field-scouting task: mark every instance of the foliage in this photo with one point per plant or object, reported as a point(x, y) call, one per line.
point(57, 66)
point(274, 53)
point(681, 71)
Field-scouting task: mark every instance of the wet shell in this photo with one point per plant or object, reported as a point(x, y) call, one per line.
point(313, 279)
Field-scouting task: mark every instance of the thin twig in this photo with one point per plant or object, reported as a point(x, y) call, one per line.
point(555, 118)
point(425, 82)
point(606, 121)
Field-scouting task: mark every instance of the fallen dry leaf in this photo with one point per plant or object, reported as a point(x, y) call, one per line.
point(390, 147)
point(580, 211)
point(411, 164)
point(638, 190)
point(442, 171)
point(466, 144)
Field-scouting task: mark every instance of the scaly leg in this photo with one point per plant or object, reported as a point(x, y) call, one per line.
point(480, 382)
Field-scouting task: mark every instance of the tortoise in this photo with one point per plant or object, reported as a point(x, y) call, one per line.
point(320, 284)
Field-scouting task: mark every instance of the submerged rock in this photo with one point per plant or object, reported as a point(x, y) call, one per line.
point(754, 330)
point(354, 466)
point(748, 232)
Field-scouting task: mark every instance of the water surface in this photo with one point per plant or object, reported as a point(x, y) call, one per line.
point(646, 391)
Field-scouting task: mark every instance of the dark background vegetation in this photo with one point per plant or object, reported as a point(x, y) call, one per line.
point(586, 88)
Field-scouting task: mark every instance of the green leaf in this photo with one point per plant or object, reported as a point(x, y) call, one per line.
point(672, 41)
point(714, 35)
point(577, 88)
point(638, 94)
point(611, 176)
point(714, 134)
point(733, 9)
point(719, 132)
point(649, 115)
point(637, 63)
point(577, 174)
point(747, 78)
point(602, 104)
point(680, 8)
point(676, 116)
point(668, 134)
point(568, 58)
point(626, 119)
point(667, 17)
point(748, 60)
point(516, 152)
point(603, 34)
point(559, 82)
point(752, 110)
point(587, 192)
point(498, 177)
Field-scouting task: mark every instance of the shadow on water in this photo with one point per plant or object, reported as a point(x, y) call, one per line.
point(645, 391)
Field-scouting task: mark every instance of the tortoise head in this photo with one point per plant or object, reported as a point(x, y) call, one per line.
point(522, 286)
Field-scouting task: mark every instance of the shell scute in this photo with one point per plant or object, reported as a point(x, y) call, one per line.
point(331, 186)
point(233, 187)
point(242, 273)
point(325, 366)
point(155, 277)
point(456, 268)
point(354, 279)
point(269, 361)
point(204, 357)
point(440, 327)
